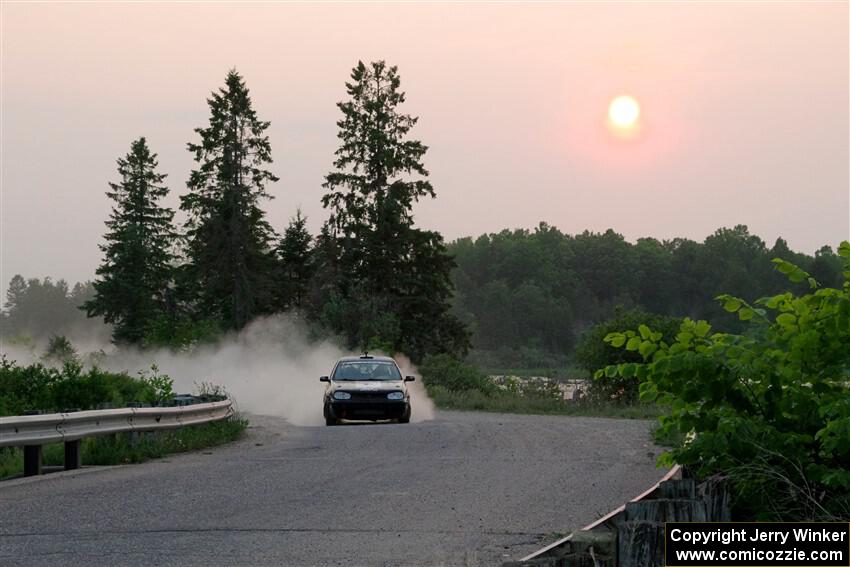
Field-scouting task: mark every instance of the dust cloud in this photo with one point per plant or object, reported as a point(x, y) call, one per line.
point(421, 406)
point(268, 368)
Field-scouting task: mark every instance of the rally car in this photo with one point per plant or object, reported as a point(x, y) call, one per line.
point(366, 388)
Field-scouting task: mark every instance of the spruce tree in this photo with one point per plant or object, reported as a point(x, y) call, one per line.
point(395, 283)
point(230, 270)
point(16, 293)
point(369, 200)
point(325, 258)
point(137, 266)
point(294, 253)
point(16, 297)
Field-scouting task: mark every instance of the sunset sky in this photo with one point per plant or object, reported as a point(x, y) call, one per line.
point(743, 113)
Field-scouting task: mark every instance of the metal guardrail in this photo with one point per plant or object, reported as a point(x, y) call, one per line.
point(33, 431)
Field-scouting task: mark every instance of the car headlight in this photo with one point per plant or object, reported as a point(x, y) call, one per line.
point(395, 396)
point(342, 395)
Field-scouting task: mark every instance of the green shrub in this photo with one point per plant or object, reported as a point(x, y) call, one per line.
point(507, 402)
point(453, 384)
point(543, 389)
point(60, 350)
point(159, 386)
point(592, 353)
point(38, 387)
point(449, 373)
point(769, 409)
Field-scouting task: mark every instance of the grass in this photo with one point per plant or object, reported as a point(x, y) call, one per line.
point(122, 449)
point(474, 400)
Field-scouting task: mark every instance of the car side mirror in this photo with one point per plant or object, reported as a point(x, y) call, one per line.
point(324, 379)
point(410, 378)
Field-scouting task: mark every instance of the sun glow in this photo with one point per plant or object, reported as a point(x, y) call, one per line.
point(623, 114)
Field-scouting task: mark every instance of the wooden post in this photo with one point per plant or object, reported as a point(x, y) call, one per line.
point(716, 497)
point(641, 535)
point(637, 535)
point(592, 549)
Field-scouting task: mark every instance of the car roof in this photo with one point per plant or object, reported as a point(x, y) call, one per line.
point(362, 358)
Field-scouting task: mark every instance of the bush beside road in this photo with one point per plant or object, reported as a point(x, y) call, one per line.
point(40, 388)
point(456, 385)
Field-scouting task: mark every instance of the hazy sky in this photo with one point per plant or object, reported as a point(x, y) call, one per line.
point(744, 112)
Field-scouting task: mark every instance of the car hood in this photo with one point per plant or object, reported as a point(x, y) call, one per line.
point(368, 385)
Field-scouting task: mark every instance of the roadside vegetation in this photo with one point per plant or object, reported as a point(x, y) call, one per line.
point(767, 409)
point(505, 402)
point(70, 387)
point(48, 389)
point(124, 449)
point(456, 385)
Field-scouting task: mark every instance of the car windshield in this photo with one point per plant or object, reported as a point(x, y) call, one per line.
point(366, 370)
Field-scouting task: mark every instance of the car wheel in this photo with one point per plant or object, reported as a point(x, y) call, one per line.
point(405, 418)
point(329, 419)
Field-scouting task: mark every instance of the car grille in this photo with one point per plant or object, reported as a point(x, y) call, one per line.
point(366, 409)
point(369, 396)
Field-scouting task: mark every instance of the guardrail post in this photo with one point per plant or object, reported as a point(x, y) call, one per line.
point(73, 455)
point(32, 460)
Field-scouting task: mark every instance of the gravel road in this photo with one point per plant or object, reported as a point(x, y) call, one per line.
point(463, 489)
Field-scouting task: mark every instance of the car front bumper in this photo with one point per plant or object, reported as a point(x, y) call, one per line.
point(368, 410)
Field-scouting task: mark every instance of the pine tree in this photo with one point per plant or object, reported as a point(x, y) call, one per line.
point(370, 203)
point(15, 298)
point(137, 265)
point(392, 272)
point(325, 256)
point(231, 266)
point(16, 293)
point(295, 255)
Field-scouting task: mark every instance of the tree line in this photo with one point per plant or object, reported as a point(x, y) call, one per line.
point(38, 308)
point(529, 295)
point(529, 298)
